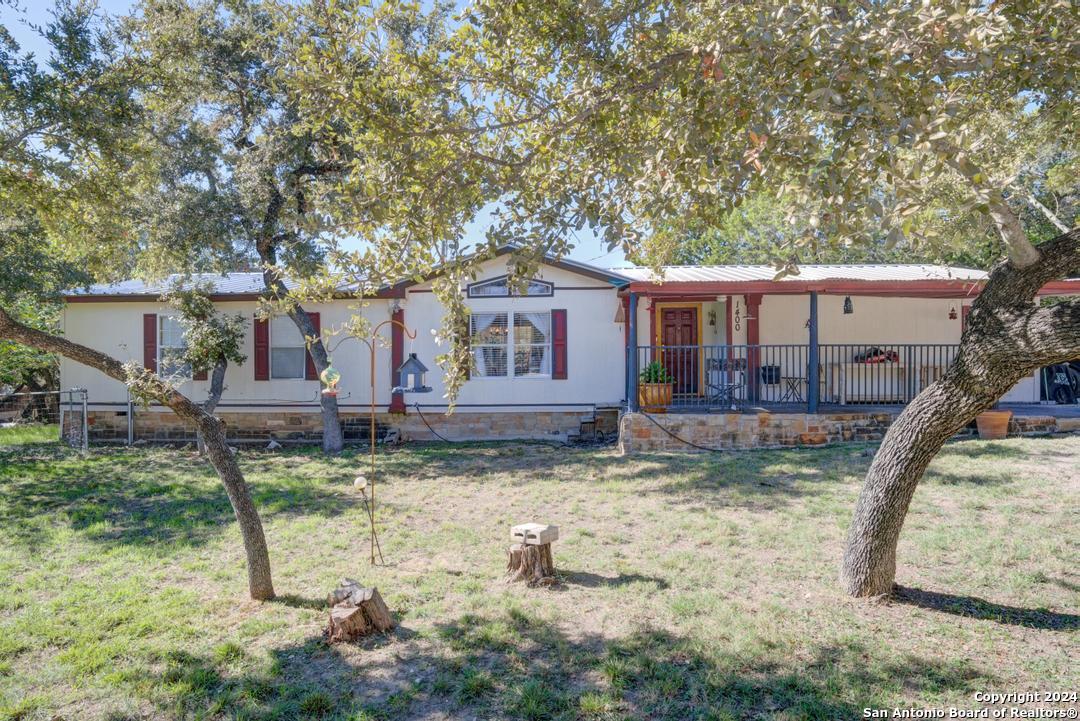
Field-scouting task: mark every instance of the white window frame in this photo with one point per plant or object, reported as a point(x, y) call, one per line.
point(511, 345)
point(548, 288)
point(271, 347)
point(162, 318)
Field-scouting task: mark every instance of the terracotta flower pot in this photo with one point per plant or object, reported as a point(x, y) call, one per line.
point(654, 397)
point(993, 425)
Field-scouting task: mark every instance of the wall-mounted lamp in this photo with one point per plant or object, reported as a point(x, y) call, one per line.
point(952, 313)
point(712, 318)
point(849, 308)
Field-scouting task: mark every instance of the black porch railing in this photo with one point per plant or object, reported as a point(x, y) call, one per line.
point(722, 378)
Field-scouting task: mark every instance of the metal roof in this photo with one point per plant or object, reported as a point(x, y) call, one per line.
point(252, 283)
point(220, 284)
point(812, 273)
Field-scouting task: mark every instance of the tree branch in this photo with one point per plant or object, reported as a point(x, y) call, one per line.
point(1022, 252)
point(1050, 215)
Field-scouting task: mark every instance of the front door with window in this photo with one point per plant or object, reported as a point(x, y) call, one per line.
point(679, 336)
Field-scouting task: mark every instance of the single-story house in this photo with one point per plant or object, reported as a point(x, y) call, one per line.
point(561, 357)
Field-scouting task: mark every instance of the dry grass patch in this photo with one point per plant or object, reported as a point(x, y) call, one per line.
point(692, 586)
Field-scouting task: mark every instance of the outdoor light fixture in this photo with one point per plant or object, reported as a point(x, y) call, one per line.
point(848, 307)
point(952, 313)
point(413, 370)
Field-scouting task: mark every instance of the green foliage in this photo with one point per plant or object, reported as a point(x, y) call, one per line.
point(66, 146)
point(655, 372)
point(876, 121)
point(211, 336)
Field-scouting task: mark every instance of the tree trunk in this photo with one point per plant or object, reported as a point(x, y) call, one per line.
point(1008, 337)
point(532, 563)
point(333, 438)
point(260, 585)
point(217, 387)
point(356, 611)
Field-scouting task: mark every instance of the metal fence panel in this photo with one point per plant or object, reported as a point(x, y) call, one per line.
point(44, 416)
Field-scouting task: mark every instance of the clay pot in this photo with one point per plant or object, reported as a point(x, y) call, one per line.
point(993, 425)
point(654, 397)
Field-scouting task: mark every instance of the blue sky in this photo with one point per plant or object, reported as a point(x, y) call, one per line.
point(588, 248)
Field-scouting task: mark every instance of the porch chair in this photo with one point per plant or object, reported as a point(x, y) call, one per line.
point(723, 384)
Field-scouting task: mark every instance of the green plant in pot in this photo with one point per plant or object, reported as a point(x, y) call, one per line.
point(655, 386)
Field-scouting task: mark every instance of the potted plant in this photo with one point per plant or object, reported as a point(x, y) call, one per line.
point(655, 386)
point(993, 424)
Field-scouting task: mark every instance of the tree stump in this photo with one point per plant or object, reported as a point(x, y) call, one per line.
point(531, 563)
point(356, 611)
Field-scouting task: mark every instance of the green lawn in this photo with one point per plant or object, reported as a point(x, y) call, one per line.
point(17, 435)
point(693, 586)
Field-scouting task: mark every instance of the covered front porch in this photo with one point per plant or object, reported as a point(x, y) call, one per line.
point(733, 338)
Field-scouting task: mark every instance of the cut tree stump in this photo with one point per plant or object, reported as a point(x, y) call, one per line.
point(531, 563)
point(356, 611)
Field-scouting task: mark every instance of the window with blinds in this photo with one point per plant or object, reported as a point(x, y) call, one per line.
point(288, 352)
point(523, 336)
point(171, 349)
point(489, 342)
point(532, 344)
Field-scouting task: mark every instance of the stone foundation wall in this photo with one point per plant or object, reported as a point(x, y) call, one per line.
point(306, 426)
point(639, 434)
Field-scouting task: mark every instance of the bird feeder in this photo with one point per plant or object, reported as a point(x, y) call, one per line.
point(330, 377)
point(412, 373)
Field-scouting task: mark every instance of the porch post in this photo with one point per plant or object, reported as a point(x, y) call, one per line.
point(813, 379)
point(631, 356)
point(753, 340)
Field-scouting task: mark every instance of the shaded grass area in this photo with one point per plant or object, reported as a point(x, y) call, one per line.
point(693, 587)
point(20, 434)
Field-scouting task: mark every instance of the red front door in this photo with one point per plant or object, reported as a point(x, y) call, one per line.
point(679, 336)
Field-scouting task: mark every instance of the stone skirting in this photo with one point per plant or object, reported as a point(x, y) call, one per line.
point(155, 425)
point(639, 434)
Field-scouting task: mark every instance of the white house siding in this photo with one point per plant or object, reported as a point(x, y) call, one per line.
point(116, 328)
point(595, 347)
point(595, 353)
point(782, 319)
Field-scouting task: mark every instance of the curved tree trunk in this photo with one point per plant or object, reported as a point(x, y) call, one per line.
point(333, 438)
point(210, 428)
point(217, 387)
point(1008, 337)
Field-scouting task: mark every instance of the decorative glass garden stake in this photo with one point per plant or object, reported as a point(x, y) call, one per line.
point(330, 377)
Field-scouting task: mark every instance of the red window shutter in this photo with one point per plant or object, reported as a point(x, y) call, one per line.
point(149, 341)
point(559, 369)
point(310, 373)
point(262, 350)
